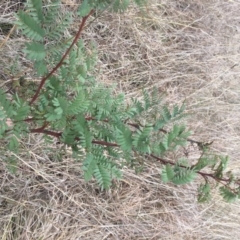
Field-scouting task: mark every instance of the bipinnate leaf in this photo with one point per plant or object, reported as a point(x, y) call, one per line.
point(102, 176)
point(227, 194)
point(84, 8)
point(35, 51)
point(183, 176)
point(167, 173)
point(89, 166)
point(29, 26)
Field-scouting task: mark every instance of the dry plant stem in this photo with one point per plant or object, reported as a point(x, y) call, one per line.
point(8, 36)
point(61, 61)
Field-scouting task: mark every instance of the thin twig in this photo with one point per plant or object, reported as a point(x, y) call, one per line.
point(63, 58)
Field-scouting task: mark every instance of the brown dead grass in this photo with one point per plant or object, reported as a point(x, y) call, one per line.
point(189, 50)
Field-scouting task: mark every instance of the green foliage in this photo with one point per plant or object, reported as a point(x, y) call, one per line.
point(177, 174)
point(84, 8)
point(35, 51)
point(112, 5)
point(228, 194)
point(104, 131)
point(6, 109)
point(30, 26)
point(183, 175)
point(41, 26)
point(167, 173)
point(12, 164)
point(204, 192)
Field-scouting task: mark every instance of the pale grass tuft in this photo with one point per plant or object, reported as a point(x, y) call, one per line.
point(190, 51)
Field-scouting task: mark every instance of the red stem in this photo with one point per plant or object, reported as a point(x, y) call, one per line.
point(204, 175)
point(63, 58)
point(48, 132)
point(108, 144)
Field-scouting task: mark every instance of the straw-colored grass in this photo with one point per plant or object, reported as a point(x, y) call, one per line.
point(190, 50)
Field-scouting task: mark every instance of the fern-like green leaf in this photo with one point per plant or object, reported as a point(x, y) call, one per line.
point(61, 105)
point(40, 67)
point(13, 143)
point(227, 194)
point(61, 123)
point(141, 139)
point(140, 2)
point(89, 165)
point(167, 173)
point(124, 138)
point(68, 137)
point(166, 114)
point(102, 176)
point(79, 104)
point(35, 9)
point(120, 5)
point(53, 114)
point(221, 167)
point(204, 193)
point(12, 164)
point(6, 107)
point(51, 12)
point(84, 8)
point(35, 51)
point(56, 29)
point(21, 108)
point(3, 127)
point(183, 176)
point(82, 70)
point(116, 173)
point(202, 163)
point(30, 27)
point(147, 100)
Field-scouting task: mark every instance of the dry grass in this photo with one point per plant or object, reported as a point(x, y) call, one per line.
point(189, 50)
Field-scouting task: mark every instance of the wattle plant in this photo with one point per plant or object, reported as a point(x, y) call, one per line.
point(104, 131)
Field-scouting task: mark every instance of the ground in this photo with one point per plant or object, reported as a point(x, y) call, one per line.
point(190, 51)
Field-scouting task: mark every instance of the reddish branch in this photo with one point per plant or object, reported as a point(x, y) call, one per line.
point(204, 175)
point(48, 132)
point(109, 144)
point(63, 58)
point(137, 126)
